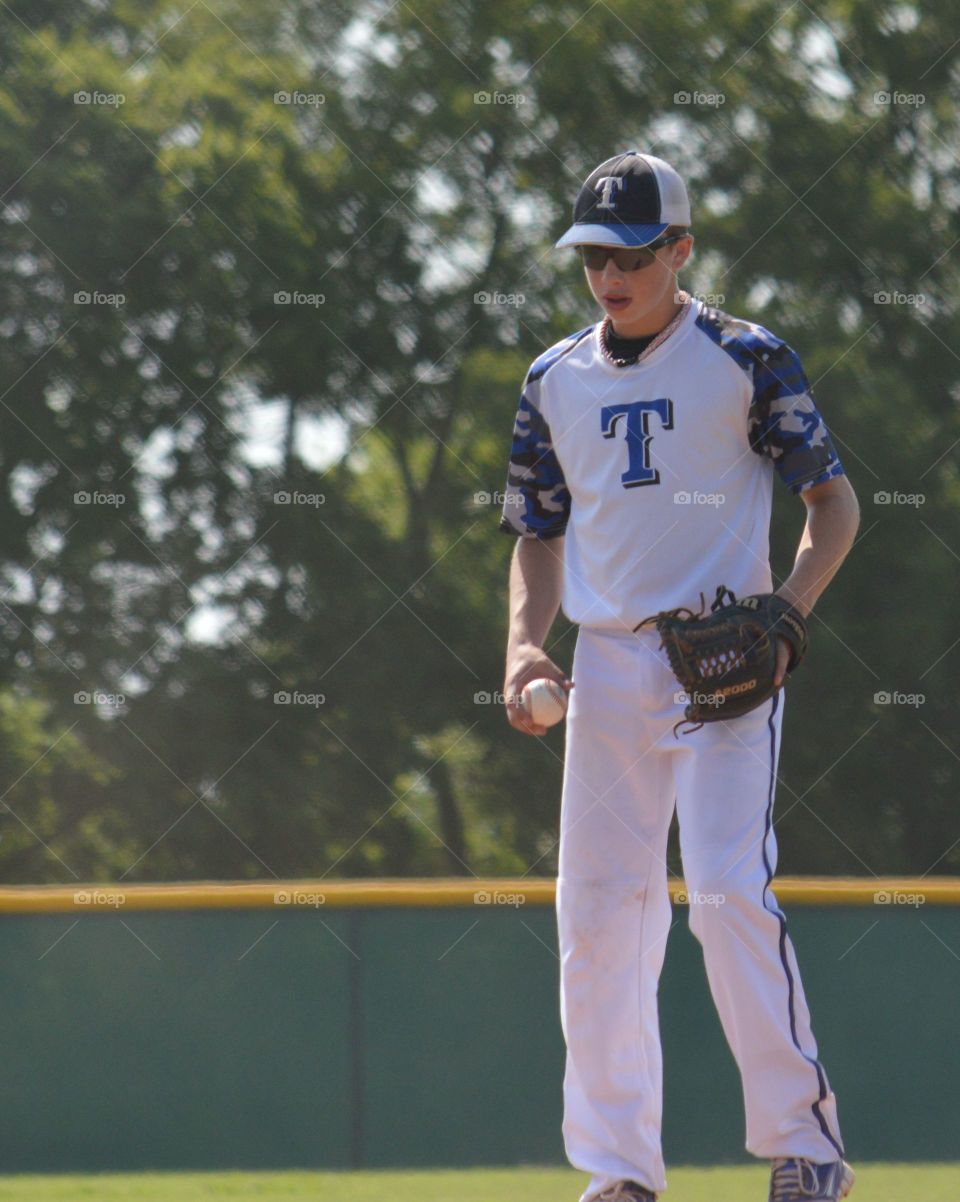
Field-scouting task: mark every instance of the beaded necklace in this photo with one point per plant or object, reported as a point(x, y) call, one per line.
point(684, 299)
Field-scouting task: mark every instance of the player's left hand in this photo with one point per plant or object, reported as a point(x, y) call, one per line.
point(783, 659)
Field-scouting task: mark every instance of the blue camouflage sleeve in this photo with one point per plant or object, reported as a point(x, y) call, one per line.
point(785, 424)
point(536, 502)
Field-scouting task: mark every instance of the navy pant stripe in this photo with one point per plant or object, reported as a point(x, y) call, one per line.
point(821, 1076)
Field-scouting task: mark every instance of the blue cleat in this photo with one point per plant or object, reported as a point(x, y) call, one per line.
point(794, 1179)
point(626, 1191)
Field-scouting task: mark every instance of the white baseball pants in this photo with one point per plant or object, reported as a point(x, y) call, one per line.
point(624, 771)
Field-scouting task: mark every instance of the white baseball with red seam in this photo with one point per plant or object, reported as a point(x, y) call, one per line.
point(545, 701)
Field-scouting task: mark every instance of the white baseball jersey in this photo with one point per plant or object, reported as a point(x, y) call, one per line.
point(660, 474)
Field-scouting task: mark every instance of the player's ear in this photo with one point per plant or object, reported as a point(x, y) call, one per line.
point(683, 250)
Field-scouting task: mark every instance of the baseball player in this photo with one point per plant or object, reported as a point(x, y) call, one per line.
point(640, 481)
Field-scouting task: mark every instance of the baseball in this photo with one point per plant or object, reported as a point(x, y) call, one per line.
point(545, 701)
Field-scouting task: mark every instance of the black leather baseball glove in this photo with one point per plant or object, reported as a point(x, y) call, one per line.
point(726, 660)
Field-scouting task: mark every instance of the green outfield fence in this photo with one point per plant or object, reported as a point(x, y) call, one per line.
point(322, 1024)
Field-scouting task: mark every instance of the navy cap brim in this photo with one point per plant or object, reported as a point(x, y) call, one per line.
point(611, 235)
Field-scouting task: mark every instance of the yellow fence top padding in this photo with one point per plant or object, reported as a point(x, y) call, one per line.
point(448, 891)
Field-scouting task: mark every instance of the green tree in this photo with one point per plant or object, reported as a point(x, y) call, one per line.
point(384, 168)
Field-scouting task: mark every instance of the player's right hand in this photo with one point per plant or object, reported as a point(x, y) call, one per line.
point(528, 663)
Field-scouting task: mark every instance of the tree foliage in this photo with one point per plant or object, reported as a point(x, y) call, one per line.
point(388, 169)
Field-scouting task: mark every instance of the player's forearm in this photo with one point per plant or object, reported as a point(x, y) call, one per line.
point(827, 538)
point(536, 584)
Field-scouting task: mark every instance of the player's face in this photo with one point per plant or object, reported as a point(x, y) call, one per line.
point(630, 296)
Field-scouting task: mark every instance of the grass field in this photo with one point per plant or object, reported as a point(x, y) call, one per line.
point(875, 1183)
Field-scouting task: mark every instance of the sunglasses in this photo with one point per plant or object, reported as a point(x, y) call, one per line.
point(627, 258)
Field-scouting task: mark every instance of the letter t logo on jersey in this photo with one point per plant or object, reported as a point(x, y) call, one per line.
point(639, 437)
